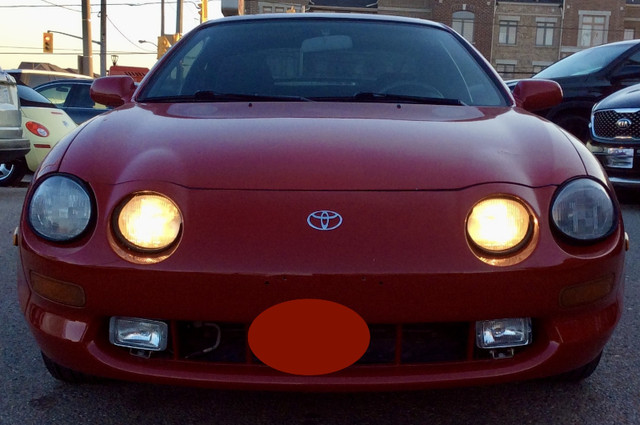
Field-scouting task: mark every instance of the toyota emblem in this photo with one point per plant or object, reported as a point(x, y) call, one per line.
point(324, 220)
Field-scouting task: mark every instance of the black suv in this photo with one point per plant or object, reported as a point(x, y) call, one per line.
point(615, 136)
point(588, 76)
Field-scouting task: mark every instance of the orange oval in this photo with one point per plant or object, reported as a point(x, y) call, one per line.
point(309, 337)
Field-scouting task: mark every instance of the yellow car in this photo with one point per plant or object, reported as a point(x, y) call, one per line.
point(44, 125)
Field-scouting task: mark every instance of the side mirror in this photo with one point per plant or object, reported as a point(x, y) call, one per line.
point(537, 94)
point(113, 91)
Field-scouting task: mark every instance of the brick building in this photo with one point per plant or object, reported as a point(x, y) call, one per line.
point(519, 37)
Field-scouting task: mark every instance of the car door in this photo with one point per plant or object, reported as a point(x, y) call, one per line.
point(626, 72)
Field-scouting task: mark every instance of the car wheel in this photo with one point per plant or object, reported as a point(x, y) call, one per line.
point(580, 373)
point(575, 123)
point(65, 374)
point(11, 173)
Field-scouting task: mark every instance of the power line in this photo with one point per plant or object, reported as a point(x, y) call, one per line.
point(69, 6)
point(122, 34)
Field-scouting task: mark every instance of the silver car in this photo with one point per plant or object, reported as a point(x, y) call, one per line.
point(12, 144)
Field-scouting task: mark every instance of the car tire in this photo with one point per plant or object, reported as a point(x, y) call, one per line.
point(11, 173)
point(65, 374)
point(575, 123)
point(580, 373)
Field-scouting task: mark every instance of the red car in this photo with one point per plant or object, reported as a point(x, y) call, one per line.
point(321, 202)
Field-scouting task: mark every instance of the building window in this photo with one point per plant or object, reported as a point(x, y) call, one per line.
point(593, 29)
point(267, 7)
point(463, 24)
point(544, 33)
point(508, 32)
point(629, 34)
point(539, 66)
point(506, 68)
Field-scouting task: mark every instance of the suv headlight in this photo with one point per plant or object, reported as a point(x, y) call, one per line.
point(583, 211)
point(60, 208)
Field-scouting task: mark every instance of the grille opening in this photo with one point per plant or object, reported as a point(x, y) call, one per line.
point(389, 344)
point(605, 125)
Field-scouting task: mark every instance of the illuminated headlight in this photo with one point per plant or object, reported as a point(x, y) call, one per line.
point(148, 222)
point(60, 208)
point(499, 225)
point(139, 334)
point(503, 333)
point(583, 210)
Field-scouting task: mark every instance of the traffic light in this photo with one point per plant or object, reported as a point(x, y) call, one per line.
point(47, 42)
point(202, 10)
point(163, 45)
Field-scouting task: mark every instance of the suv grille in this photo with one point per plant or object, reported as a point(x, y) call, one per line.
point(606, 125)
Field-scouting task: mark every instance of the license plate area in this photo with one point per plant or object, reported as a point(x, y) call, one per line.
point(619, 158)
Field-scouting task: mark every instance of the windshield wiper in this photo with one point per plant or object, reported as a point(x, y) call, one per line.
point(210, 96)
point(394, 98)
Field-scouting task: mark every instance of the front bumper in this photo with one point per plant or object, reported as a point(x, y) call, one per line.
point(403, 354)
point(620, 160)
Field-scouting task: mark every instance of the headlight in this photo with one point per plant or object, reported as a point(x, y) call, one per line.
point(60, 208)
point(148, 222)
point(499, 225)
point(582, 210)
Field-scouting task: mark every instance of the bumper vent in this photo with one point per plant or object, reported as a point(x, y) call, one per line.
point(390, 344)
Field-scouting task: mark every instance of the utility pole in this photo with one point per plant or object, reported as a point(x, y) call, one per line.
point(85, 62)
point(179, 17)
point(103, 38)
point(162, 17)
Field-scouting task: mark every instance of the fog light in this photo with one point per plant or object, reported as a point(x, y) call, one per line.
point(503, 333)
point(138, 334)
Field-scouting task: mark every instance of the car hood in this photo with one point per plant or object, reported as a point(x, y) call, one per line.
point(622, 99)
point(320, 146)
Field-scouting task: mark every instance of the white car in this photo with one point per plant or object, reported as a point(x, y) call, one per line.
point(43, 125)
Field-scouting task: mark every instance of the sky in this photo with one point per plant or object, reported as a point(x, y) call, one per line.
point(22, 23)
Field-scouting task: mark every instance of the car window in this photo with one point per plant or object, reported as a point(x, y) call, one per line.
point(70, 95)
point(37, 79)
point(80, 97)
point(56, 94)
point(322, 60)
point(584, 62)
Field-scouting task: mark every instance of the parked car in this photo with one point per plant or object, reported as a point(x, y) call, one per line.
point(12, 143)
point(615, 136)
point(44, 125)
point(72, 96)
point(321, 202)
point(587, 77)
point(35, 77)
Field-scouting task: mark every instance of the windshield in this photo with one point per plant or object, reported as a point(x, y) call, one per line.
point(323, 60)
point(584, 62)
